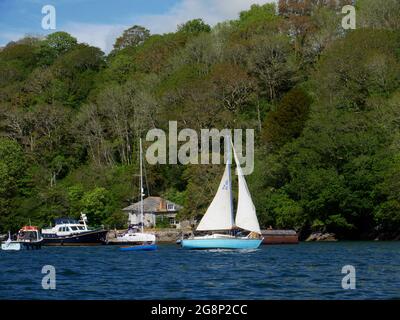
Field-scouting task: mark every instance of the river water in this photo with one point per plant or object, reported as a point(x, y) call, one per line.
point(304, 271)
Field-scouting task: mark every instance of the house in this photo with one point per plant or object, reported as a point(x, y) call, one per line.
point(154, 208)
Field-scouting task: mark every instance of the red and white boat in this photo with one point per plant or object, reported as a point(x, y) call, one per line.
point(28, 238)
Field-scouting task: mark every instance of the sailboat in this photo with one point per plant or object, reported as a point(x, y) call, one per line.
point(148, 241)
point(219, 216)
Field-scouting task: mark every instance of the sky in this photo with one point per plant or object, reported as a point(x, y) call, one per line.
point(100, 22)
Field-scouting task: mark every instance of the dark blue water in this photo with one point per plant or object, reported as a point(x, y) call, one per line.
point(304, 271)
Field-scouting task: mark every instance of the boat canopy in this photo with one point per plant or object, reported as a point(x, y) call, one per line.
point(29, 228)
point(65, 221)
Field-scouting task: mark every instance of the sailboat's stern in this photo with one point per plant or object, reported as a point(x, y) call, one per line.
point(223, 243)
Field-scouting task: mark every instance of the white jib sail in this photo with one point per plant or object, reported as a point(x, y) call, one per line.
point(246, 217)
point(219, 214)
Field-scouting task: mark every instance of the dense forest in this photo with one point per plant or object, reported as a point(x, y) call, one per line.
point(324, 103)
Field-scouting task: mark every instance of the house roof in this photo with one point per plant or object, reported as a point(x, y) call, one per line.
point(153, 204)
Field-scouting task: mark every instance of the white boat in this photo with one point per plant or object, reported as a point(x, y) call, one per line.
point(141, 240)
point(69, 232)
point(134, 236)
point(241, 233)
point(10, 245)
point(28, 237)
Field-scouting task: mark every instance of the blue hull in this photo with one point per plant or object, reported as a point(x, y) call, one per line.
point(146, 247)
point(221, 243)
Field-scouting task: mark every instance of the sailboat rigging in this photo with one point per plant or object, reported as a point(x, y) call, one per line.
point(219, 215)
point(143, 241)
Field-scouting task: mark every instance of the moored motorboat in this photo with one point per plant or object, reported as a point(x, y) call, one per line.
point(219, 216)
point(70, 232)
point(28, 237)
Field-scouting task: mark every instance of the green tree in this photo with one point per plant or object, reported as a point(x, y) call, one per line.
point(132, 37)
point(75, 195)
point(378, 14)
point(272, 61)
point(54, 45)
point(12, 167)
point(12, 171)
point(288, 120)
point(285, 212)
point(60, 42)
point(194, 27)
point(98, 205)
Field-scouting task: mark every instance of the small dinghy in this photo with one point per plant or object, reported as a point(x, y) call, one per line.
point(28, 238)
point(142, 247)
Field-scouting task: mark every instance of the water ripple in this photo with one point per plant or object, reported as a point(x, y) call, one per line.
point(305, 271)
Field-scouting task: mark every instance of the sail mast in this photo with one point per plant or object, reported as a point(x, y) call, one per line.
point(228, 164)
point(141, 186)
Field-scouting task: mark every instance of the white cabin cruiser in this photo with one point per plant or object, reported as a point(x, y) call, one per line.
point(69, 232)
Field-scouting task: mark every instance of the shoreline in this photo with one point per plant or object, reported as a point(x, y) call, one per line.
point(166, 236)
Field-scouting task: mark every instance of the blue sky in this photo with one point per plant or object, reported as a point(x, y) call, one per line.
point(99, 22)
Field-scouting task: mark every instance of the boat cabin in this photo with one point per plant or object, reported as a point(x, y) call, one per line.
point(29, 234)
point(66, 227)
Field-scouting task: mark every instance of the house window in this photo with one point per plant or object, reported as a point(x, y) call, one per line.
point(170, 207)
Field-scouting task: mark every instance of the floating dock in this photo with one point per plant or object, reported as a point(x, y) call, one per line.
point(280, 237)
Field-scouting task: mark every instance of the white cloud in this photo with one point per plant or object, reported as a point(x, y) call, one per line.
point(10, 36)
point(99, 35)
point(211, 11)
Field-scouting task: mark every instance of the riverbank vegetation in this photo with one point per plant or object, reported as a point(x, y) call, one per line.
point(324, 103)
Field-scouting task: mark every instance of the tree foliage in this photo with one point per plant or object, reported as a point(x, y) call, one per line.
point(324, 102)
point(132, 37)
point(194, 27)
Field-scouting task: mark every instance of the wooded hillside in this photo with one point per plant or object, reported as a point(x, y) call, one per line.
point(324, 103)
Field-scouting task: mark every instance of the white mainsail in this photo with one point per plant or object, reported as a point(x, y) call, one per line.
point(246, 217)
point(219, 214)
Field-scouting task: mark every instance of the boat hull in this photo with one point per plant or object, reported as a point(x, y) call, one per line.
point(223, 243)
point(126, 243)
point(12, 246)
point(145, 247)
point(18, 245)
point(133, 239)
point(90, 238)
